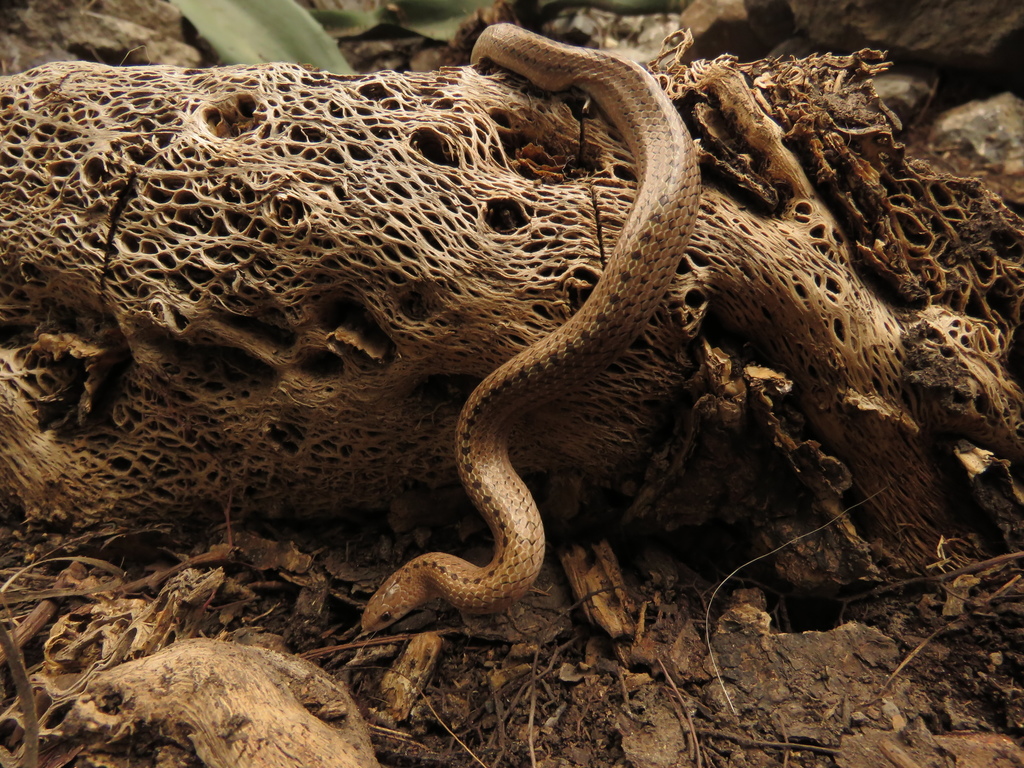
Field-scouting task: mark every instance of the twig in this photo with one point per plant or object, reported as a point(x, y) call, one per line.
point(30, 722)
point(391, 733)
point(43, 612)
point(440, 720)
point(970, 568)
point(684, 713)
point(913, 654)
point(452, 733)
point(369, 642)
point(500, 732)
point(747, 742)
point(898, 757)
point(30, 625)
point(547, 670)
point(533, 710)
point(24, 595)
point(154, 580)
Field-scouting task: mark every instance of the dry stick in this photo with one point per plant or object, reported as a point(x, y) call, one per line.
point(156, 579)
point(500, 732)
point(229, 536)
point(958, 621)
point(694, 741)
point(41, 614)
point(531, 684)
point(970, 568)
point(534, 676)
point(913, 654)
point(722, 583)
point(896, 756)
point(369, 642)
point(130, 52)
point(30, 625)
point(444, 725)
point(698, 753)
point(437, 717)
point(530, 733)
point(748, 742)
point(387, 641)
point(45, 594)
point(391, 733)
point(999, 592)
point(30, 722)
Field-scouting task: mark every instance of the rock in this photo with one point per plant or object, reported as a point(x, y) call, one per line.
point(721, 26)
point(129, 31)
point(804, 679)
point(989, 130)
point(986, 35)
point(771, 20)
point(636, 37)
point(797, 46)
point(654, 738)
point(991, 749)
point(116, 31)
point(912, 744)
point(906, 90)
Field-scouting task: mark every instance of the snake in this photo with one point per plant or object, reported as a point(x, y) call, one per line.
point(636, 276)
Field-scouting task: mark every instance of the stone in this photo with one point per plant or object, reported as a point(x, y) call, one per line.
point(721, 26)
point(771, 20)
point(986, 35)
point(906, 90)
point(990, 130)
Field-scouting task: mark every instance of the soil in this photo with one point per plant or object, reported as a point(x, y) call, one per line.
point(664, 656)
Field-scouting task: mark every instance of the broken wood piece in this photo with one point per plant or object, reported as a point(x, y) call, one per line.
point(231, 705)
point(404, 682)
point(44, 610)
point(600, 587)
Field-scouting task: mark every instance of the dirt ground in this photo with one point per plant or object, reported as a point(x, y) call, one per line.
point(661, 650)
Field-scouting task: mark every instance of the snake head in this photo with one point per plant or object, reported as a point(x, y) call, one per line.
point(403, 591)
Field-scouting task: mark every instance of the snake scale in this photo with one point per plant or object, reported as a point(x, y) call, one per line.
point(635, 279)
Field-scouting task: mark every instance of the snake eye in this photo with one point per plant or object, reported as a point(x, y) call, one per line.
point(386, 616)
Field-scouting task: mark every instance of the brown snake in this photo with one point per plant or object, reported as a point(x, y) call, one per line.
point(633, 283)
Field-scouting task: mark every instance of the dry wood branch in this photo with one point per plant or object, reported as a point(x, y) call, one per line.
point(598, 585)
point(403, 684)
point(236, 706)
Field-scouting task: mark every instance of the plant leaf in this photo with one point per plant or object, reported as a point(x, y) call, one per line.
point(257, 31)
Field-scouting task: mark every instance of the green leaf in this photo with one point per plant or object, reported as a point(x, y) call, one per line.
point(257, 31)
point(436, 19)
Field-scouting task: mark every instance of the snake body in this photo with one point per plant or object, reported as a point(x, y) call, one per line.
point(634, 281)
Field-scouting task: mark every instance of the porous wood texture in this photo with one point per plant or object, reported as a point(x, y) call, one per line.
point(271, 289)
point(259, 281)
point(232, 706)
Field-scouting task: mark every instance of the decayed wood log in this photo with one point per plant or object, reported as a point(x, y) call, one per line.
point(235, 706)
point(218, 287)
point(403, 683)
